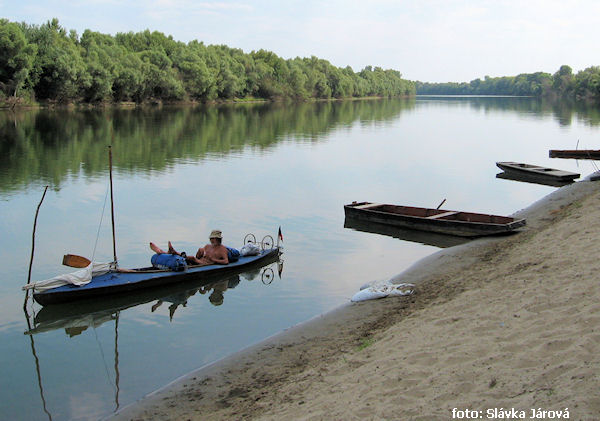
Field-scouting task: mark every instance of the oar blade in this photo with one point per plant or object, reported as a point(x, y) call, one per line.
point(75, 261)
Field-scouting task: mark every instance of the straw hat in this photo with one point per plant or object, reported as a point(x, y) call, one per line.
point(216, 234)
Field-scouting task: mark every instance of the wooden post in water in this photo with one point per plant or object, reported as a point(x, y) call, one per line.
point(117, 375)
point(37, 211)
point(112, 204)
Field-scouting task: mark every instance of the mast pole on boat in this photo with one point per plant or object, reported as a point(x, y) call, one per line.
point(112, 204)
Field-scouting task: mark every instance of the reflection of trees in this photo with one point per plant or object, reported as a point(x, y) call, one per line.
point(562, 110)
point(45, 146)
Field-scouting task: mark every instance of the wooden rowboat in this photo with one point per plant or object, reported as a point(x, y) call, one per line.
point(121, 282)
point(463, 224)
point(537, 171)
point(575, 153)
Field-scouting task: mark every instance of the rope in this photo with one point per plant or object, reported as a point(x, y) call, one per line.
point(100, 224)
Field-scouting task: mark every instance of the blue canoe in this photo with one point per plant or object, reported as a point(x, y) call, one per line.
point(120, 282)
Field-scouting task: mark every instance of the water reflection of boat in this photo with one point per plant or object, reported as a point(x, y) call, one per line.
point(464, 224)
point(533, 179)
point(121, 283)
point(427, 238)
point(77, 316)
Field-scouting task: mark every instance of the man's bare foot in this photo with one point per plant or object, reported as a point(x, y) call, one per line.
point(156, 249)
point(171, 249)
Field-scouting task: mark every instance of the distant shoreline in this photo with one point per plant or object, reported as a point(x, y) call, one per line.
point(158, 104)
point(472, 96)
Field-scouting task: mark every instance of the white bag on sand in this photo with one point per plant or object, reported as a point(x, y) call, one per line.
point(383, 290)
point(249, 249)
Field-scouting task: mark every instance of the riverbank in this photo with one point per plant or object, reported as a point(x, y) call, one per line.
point(33, 105)
point(508, 322)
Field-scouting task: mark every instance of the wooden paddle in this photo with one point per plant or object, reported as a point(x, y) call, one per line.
point(75, 261)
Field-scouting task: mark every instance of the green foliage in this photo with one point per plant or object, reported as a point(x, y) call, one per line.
point(562, 84)
point(523, 84)
point(587, 83)
point(16, 58)
point(365, 343)
point(149, 66)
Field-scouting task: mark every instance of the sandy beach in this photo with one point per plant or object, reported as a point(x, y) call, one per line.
point(505, 324)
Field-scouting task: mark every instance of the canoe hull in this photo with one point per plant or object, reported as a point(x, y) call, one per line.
point(423, 219)
point(119, 283)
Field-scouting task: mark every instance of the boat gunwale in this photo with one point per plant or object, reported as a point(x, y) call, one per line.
point(431, 220)
point(536, 170)
point(583, 154)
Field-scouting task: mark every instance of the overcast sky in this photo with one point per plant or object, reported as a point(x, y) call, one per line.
point(427, 40)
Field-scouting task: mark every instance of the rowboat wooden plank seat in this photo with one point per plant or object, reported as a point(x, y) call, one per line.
point(575, 153)
point(366, 206)
point(464, 224)
point(537, 171)
point(442, 215)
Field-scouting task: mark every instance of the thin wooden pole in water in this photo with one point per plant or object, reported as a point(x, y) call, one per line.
point(112, 204)
point(37, 368)
point(37, 211)
point(117, 375)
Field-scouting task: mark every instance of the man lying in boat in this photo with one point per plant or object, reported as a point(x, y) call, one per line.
point(210, 254)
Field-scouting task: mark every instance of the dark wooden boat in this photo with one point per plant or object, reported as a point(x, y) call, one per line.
point(537, 171)
point(575, 153)
point(463, 224)
point(122, 282)
point(533, 179)
point(422, 237)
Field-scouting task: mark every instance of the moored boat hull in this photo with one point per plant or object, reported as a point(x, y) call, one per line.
point(537, 171)
point(528, 178)
point(575, 153)
point(463, 224)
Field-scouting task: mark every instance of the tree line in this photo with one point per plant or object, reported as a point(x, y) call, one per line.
point(47, 63)
point(564, 84)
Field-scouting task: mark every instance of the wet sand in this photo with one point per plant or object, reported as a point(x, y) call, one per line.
point(510, 322)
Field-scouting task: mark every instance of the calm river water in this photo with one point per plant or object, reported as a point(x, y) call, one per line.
point(181, 172)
